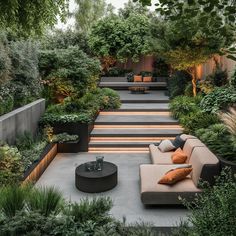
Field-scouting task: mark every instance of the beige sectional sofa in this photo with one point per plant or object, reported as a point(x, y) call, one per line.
point(204, 163)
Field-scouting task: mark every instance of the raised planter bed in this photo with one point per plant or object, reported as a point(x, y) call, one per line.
point(83, 130)
point(68, 147)
point(34, 172)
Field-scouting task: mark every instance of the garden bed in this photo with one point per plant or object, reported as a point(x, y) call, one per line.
point(34, 172)
point(80, 129)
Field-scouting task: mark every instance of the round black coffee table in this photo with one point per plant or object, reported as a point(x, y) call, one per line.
point(96, 181)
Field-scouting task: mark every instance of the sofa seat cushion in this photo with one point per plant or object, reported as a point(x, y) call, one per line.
point(154, 193)
point(158, 157)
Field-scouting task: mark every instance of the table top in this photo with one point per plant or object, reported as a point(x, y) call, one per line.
point(108, 169)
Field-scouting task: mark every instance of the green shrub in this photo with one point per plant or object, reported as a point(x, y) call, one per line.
point(5, 61)
point(197, 120)
point(219, 140)
point(116, 72)
point(95, 210)
point(160, 68)
point(64, 137)
point(45, 200)
point(220, 98)
point(12, 199)
point(109, 99)
point(11, 167)
point(82, 110)
point(183, 105)
point(6, 100)
point(30, 148)
point(177, 83)
point(71, 65)
point(213, 212)
point(232, 80)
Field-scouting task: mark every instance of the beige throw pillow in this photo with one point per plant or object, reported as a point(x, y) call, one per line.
point(166, 146)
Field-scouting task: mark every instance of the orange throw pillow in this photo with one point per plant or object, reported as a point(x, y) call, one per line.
point(147, 79)
point(179, 157)
point(173, 176)
point(138, 78)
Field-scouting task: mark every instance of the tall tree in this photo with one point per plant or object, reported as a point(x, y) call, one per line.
point(115, 38)
point(27, 17)
point(130, 8)
point(186, 42)
point(225, 10)
point(89, 12)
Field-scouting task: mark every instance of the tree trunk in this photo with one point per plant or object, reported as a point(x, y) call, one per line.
point(194, 80)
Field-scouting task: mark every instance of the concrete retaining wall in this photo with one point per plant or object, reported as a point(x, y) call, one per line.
point(20, 120)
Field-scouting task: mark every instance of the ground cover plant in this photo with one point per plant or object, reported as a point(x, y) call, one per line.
point(31, 211)
point(213, 211)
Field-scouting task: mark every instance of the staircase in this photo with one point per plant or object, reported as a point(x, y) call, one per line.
point(142, 119)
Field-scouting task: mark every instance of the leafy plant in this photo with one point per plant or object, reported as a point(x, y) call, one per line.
point(109, 99)
point(111, 37)
point(6, 100)
point(229, 119)
point(220, 98)
point(130, 77)
point(183, 105)
point(198, 119)
point(50, 118)
point(177, 83)
point(94, 210)
point(206, 218)
point(45, 200)
point(68, 68)
point(11, 167)
point(219, 140)
point(24, 141)
point(12, 199)
point(64, 137)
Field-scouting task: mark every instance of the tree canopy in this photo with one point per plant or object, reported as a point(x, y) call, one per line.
point(186, 42)
point(223, 12)
point(121, 38)
point(89, 12)
point(27, 17)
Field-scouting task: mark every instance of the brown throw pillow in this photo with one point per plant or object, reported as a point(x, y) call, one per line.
point(138, 78)
point(173, 176)
point(179, 157)
point(147, 79)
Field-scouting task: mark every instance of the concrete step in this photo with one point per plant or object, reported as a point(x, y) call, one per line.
point(135, 120)
point(126, 85)
point(101, 150)
point(144, 101)
point(135, 113)
point(144, 107)
point(114, 144)
point(135, 132)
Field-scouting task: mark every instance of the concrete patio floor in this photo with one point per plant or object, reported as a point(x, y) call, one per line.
point(125, 196)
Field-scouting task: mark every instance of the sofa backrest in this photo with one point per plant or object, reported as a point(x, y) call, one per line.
point(205, 165)
point(189, 145)
point(187, 136)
